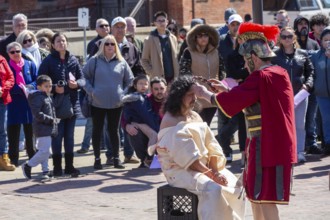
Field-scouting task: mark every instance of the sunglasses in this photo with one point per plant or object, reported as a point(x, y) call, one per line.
point(26, 41)
point(108, 44)
point(202, 35)
point(103, 25)
point(171, 29)
point(160, 21)
point(283, 37)
point(14, 51)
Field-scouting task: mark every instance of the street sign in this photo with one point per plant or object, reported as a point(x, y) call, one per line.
point(83, 17)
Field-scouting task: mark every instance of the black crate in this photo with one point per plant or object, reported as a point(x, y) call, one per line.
point(176, 204)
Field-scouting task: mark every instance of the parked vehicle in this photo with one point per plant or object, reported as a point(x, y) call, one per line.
point(306, 8)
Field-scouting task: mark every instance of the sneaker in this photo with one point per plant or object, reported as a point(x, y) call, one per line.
point(142, 165)
point(229, 157)
point(97, 164)
point(21, 145)
point(131, 159)
point(82, 151)
point(118, 164)
point(109, 161)
point(313, 150)
point(26, 171)
point(301, 157)
point(45, 175)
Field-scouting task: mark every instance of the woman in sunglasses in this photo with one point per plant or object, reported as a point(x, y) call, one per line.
point(201, 58)
point(107, 76)
point(30, 47)
point(18, 111)
point(64, 70)
point(301, 71)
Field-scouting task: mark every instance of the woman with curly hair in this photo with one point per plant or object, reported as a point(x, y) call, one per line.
point(192, 159)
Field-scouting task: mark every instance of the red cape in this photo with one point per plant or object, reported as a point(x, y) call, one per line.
point(272, 88)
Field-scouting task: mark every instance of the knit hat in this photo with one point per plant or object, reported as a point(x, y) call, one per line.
point(324, 32)
point(229, 12)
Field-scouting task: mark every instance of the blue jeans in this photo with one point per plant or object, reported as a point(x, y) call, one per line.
point(66, 132)
point(310, 123)
point(300, 115)
point(88, 134)
point(3, 134)
point(324, 106)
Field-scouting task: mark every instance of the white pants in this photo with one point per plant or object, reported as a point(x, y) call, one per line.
point(41, 157)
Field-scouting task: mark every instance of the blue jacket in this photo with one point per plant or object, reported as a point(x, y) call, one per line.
point(137, 108)
point(57, 70)
point(19, 111)
point(321, 74)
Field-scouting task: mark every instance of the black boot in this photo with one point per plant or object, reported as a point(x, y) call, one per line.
point(97, 164)
point(117, 163)
point(57, 162)
point(69, 168)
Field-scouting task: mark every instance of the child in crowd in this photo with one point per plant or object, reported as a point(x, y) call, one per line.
point(138, 109)
point(44, 125)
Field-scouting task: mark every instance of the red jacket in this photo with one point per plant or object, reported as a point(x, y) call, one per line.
point(272, 88)
point(7, 80)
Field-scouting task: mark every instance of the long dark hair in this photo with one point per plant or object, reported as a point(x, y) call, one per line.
point(54, 38)
point(177, 91)
point(132, 86)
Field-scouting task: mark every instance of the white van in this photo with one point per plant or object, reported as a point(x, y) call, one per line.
point(306, 8)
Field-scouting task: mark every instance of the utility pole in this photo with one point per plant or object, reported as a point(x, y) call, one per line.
point(257, 8)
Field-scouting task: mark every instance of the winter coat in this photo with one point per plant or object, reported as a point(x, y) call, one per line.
point(137, 108)
point(322, 74)
point(132, 56)
point(111, 78)
point(43, 111)
point(19, 111)
point(152, 56)
point(7, 80)
point(201, 63)
point(300, 68)
point(57, 70)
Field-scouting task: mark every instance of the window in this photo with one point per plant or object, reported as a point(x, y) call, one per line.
point(308, 5)
point(326, 3)
point(275, 5)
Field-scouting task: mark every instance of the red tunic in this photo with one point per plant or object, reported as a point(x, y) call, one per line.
point(271, 146)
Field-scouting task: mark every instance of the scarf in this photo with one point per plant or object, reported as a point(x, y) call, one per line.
point(34, 54)
point(18, 67)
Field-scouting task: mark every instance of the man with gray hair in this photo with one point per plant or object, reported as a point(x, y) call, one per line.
point(102, 29)
point(19, 24)
point(130, 33)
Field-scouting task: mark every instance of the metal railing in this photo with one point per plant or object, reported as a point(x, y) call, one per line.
point(55, 24)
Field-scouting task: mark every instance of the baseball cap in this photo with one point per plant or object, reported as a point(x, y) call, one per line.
point(235, 17)
point(118, 20)
point(196, 21)
point(229, 12)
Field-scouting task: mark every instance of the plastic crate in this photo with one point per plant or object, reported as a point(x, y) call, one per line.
point(176, 203)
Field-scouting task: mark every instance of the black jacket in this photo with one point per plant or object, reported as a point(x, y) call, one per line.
point(44, 118)
point(300, 68)
point(236, 66)
point(58, 70)
point(132, 56)
point(3, 45)
point(226, 47)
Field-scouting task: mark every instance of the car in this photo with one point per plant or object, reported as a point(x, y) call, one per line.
point(306, 8)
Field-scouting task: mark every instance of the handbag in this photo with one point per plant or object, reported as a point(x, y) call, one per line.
point(63, 106)
point(86, 103)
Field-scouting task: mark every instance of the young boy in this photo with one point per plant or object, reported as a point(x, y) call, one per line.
point(44, 125)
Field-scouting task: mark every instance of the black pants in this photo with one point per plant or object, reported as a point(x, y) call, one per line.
point(140, 144)
point(13, 132)
point(113, 118)
point(207, 115)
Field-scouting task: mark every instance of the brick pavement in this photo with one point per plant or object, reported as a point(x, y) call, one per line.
point(131, 193)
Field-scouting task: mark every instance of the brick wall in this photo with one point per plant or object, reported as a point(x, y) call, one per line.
point(16, 6)
point(211, 10)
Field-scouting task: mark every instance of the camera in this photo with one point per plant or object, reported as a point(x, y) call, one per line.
point(61, 83)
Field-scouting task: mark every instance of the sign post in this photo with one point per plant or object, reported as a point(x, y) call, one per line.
point(83, 21)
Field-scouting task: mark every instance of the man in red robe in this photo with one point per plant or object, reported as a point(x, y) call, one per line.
point(266, 98)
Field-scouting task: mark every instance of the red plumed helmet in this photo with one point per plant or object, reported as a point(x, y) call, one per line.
point(270, 32)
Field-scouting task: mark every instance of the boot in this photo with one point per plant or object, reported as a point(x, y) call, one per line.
point(118, 164)
point(5, 163)
point(69, 168)
point(57, 161)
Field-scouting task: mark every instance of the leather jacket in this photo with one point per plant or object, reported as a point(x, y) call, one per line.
point(299, 67)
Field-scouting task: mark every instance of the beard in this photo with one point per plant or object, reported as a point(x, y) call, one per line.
point(303, 32)
point(250, 65)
